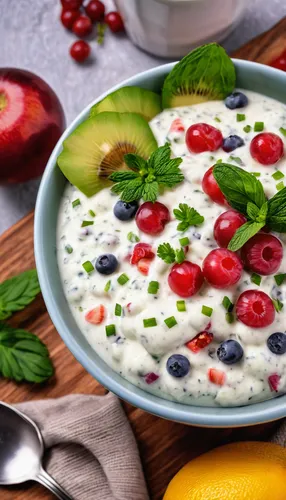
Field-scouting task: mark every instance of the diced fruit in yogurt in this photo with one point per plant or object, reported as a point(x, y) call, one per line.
point(236, 100)
point(277, 343)
point(150, 378)
point(232, 142)
point(96, 316)
point(267, 148)
point(151, 218)
point(222, 268)
point(125, 211)
point(217, 377)
point(106, 264)
point(178, 365)
point(130, 100)
point(211, 188)
point(200, 341)
point(230, 352)
point(203, 137)
point(273, 381)
point(254, 308)
point(96, 148)
point(185, 279)
point(141, 251)
point(144, 265)
point(177, 126)
point(263, 254)
point(226, 226)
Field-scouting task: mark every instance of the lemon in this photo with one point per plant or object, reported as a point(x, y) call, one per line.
point(239, 471)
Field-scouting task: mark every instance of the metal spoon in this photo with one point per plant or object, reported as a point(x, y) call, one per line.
point(21, 452)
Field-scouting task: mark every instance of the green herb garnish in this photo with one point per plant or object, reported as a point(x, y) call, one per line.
point(110, 330)
point(256, 279)
point(280, 186)
point(107, 286)
point(153, 287)
point(181, 305)
point(122, 279)
point(207, 311)
point(17, 292)
point(184, 241)
point(278, 305)
point(118, 310)
point(188, 217)
point(278, 175)
point(247, 128)
point(258, 126)
point(88, 266)
point(91, 213)
point(217, 119)
point(280, 278)
point(170, 322)
point(75, 203)
point(236, 159)
point(229, 317)
point(149, 322)
point(69, 249)
point(133, 237)
point(227, 304)
point(87, 223)
point(169, 255)
point(283, 131)
point(240, 117)
point(256, 174)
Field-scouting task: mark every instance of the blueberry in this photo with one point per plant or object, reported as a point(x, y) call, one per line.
point(178, 365)
point(236, 100)
point(232, 142)
point(125, 211)
point(277, 343)
point(106, 264)
point(230, 352)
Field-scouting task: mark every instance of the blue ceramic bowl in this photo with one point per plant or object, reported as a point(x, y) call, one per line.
point(250, 76)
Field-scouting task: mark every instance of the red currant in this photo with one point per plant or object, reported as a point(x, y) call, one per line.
point(82, 26)
point(185, 279)
point(114, 21)
point(151, 218)
point(280, 62)
point(226, 225)
point(71, 4)
point(203, 137)
point(95, 10)
point(80, 50)
point(222, 268)
point(263, 254)
point(266, 148)
point(255, 309)
point(211, 188)
point(68, 17)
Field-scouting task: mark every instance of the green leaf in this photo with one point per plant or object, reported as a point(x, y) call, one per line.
point(276, 217)
point(133, 190)
point(150, 191)
point(166, 253)
point(123, 175)
point(239, 187)
point(243, 234)
point(180, 256)
point(262, 214)
point(17, 292)
point(252, 210)
point(135, 162)
point(188, 217)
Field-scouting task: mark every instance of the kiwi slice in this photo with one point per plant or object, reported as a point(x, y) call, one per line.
point(130, 100)
point(96, 148)
point(205, 74)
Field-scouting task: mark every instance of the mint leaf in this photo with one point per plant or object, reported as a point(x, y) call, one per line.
point(243, 234)
point(135, 162)
point(130, 190)
point(166, 253)
point(123, 175)
point(188, 217)
point(276, 217)
point(17, 292)
point(150, 191)
point(252, 210)
point(262, 214)
point(239, 187)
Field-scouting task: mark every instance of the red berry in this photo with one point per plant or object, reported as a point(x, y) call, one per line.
point(95, 10)
point(185, 279)
point(177, 125)
point(255, 309)
point(211, 188)
point(280, 62)
point(143, 266)
point(222, 268)
point(266, 148)
point(82, 26)
point(226, 225)
point(203, 137)
point(263, 254)
point(151, 377)
point(96, 316)
point(200, 341)
point(273, 381)
point(114, 21)
point(151, 218)
point(71, 4)
point(68, 17)
point(80, 51)
point(141, 251)
point(217, 377)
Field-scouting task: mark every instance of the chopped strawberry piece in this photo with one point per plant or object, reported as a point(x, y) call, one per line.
point(216, 376)
point(200, 341)
point(128, 307)
point(177, 126)
point(273, 381)
point(141, 251)
point(96, 316)
point(150, 378)
point(143, 266)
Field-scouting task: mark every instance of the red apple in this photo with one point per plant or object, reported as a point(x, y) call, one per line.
point(31, 122)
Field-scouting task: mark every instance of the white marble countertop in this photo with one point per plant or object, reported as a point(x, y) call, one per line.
point(31, 37)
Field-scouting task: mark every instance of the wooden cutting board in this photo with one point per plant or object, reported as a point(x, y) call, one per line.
point(164, 446)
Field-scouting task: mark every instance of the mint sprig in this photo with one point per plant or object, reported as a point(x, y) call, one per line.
point(169, 255)
point(17, 292)
point(145, 178)
point(188, 217)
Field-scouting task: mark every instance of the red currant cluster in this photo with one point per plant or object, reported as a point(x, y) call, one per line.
point(80, 18)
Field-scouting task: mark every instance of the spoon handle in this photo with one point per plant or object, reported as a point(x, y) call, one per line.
point(46, 480)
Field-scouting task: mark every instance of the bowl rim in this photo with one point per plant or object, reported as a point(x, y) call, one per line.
point(203, 416)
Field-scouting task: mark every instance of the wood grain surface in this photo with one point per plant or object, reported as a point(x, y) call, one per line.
point(164, 446)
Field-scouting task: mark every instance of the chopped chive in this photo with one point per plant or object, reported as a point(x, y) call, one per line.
point(153, 287)
point(278, 305)
point(256, 174)
point(181, 305)
point(219, 160)
point(256, 279)
point(88, 267)
point(87, 223)
point(217, 119)
point(283, 131)
point(110, 330)
point(91, 213)
point(149, 322)
point(240, 117)
point(80, 309)
point(280, 186)
point(258, 126)
point(247, 128)
point(184, 242)
point(118, 310)
point(278, 175)
point(75, 203)
point(207, 311)
point(279, 278)
point(236, 159)
point(107, 286)
point(229, 317)
point(170, 322)
point(212, 158)
point(133, 237)
point(68, 249)
point(227, 304)
point(122, 279)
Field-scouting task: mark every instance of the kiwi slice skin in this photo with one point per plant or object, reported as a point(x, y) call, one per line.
point(206, 73)
point(130, 100)
point(96, 148)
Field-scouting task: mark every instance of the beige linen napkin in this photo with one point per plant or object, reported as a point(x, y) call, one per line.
point(92, 451)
